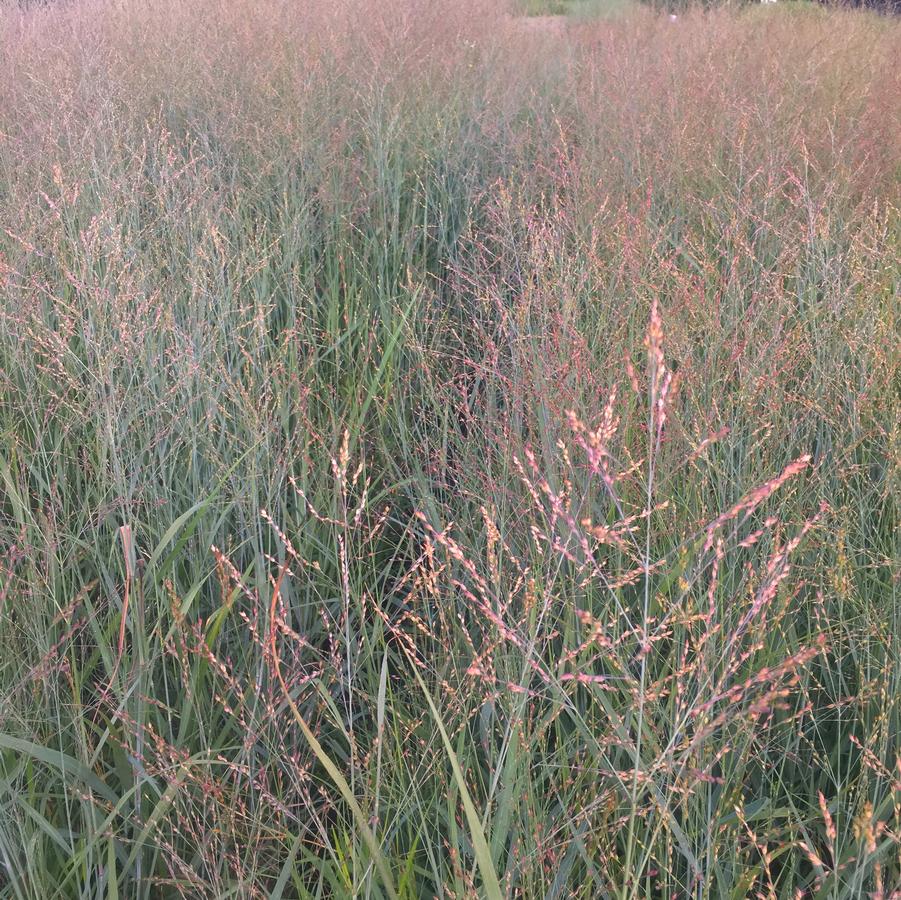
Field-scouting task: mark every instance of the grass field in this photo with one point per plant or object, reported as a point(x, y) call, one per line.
point(441, 457)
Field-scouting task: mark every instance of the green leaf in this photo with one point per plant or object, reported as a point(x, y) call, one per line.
point(62, 762)
point(477, 835)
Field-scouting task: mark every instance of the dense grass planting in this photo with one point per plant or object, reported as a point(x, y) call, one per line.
point(448, 456)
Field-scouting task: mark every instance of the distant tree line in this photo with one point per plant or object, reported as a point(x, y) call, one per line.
point(888, 7)
point(892, 7)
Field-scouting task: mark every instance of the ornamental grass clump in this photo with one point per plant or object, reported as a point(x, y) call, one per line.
point(447, 457)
